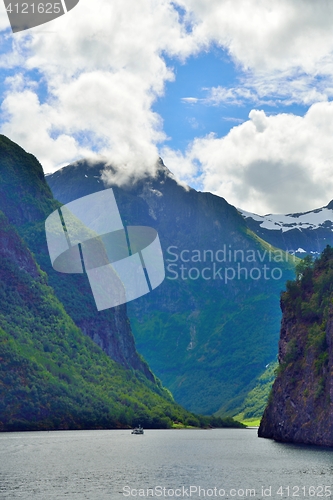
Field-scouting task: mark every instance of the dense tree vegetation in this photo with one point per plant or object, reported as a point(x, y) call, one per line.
point(309, 299)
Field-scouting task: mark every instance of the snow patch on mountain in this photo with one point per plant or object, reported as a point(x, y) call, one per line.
point(321, 217)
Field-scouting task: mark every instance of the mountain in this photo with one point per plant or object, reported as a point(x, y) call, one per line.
point(300, 405)
point(299, 233)
point(52, 374)
point(209, 330)
point(26, 200)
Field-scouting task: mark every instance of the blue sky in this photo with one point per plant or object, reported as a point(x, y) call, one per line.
point(235, 97)
point(184, 120)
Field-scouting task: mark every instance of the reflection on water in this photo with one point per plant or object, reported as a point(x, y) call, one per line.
point(101, 465)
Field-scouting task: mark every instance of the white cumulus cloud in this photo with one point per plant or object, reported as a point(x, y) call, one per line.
point(284, 48)
point(280, 163)
point(100, 69)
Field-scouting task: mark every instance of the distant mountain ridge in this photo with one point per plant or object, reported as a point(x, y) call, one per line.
point(206, 337)
point(298, 233)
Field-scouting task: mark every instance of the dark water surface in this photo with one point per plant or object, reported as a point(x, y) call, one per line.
point(98, 465)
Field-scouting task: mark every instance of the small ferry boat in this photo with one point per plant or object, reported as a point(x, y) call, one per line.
point(138, 430)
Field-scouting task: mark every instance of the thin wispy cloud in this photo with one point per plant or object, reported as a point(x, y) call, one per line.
point(190, 100)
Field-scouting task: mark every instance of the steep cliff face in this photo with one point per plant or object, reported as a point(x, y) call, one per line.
point(300, 407)
point(26, 200)
point(10, 247)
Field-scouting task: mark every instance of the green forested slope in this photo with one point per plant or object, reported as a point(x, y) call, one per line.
point(52, 375)
point(27, 201)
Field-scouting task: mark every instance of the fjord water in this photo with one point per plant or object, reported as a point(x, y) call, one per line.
point(102, 465)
